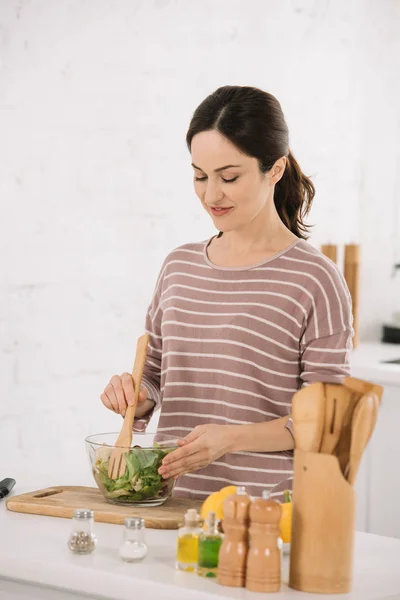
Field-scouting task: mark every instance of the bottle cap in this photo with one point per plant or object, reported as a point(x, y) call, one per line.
point(83, 513)
point(212, 518)
point(241, 491)
point(192, 516)
point(134, 523)
point(266, 494)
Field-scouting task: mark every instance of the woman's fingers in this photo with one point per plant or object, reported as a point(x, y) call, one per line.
point(120, 393)
point(116, 383)
point(128, 389)
point(178, 471)
point(143, 395)
point(109, 398)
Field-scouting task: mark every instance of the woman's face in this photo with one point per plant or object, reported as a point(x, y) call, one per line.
point(229, 184)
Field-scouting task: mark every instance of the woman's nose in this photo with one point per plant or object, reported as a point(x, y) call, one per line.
point(212, 194)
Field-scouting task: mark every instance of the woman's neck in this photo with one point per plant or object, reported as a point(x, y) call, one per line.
point(265, 234)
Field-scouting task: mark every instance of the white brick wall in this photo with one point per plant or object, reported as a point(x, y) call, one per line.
point(95, 99)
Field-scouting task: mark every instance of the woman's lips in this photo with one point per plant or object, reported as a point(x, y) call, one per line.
point(220, 212)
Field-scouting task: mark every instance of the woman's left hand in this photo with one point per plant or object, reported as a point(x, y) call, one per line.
point(201, 447)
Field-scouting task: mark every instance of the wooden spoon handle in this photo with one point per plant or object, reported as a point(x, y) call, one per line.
point(137, 372)
point(364, 420)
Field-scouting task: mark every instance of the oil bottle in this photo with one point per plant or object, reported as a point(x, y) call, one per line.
point(188, 542)
point(209, 544)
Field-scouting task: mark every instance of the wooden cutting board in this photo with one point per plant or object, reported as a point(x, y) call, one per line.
point(60, 501)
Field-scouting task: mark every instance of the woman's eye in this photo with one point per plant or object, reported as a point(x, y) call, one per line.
point(224, 180)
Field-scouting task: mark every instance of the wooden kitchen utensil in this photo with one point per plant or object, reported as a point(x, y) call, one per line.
point(60, 501)
point(322, 540)
point(357, 387)
point(364, 420)
point(308, 414)
point(351, 275)
point(330, 250)
point(337, 404)
point(116, 463)
point(363, 387)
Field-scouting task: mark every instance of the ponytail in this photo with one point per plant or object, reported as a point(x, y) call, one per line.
point(293, 197)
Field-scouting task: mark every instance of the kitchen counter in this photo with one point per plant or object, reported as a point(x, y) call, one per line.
point(36, 564)
point(366, 363)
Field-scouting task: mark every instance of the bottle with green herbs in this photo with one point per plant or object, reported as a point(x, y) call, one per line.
point(209, 544)
point(188, 542)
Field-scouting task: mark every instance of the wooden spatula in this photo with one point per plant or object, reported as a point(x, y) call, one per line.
point(308, 413)
point(116, 463)
point(363, 424)
point(363, 387)
point(337, 404)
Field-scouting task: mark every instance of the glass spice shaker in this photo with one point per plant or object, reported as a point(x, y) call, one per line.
point(133, 547)
point(82, 539)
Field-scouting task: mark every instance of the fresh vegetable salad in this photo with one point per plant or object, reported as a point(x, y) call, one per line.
point(141, 480)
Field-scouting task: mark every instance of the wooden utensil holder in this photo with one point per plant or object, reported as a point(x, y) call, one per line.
point(321, 557)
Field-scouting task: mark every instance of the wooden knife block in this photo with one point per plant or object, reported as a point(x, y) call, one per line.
point(321, 557)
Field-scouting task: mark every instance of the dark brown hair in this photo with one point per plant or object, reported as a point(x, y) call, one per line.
point(254, 122)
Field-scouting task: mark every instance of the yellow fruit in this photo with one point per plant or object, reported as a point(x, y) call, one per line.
point(215, 502)
point(286, 522)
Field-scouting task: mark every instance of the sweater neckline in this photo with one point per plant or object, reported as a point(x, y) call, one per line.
point(245, 267)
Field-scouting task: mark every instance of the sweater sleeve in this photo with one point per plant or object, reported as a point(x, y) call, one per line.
point(326, 343)
point(151, 378)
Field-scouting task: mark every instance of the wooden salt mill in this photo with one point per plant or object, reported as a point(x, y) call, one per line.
point(265, 546)
point(233, 551)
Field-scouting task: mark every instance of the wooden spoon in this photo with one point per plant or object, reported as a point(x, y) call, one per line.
point(338, 402)
point(117, 463)
point(308, 411)
point(364, 420)
point(363, 387)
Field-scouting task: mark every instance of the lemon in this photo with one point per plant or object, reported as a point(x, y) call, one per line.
point(215, 502)
point(286, 522)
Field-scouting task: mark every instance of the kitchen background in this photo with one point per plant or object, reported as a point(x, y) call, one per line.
point(96, 183)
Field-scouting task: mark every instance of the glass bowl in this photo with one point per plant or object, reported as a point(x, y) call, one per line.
point(141, 484)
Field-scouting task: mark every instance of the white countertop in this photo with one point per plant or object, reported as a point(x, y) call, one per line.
point(366, 363)
point(35, 561)
point(33, 552)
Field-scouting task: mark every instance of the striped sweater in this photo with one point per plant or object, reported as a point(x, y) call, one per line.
point(232, 346)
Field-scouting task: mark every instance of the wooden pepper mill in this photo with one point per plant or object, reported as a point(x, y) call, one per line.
point(263, 572)
point(233, 551)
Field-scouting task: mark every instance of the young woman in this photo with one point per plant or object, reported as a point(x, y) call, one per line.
point(241, 321)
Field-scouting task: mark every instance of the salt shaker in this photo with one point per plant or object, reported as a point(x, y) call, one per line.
point(263, 573)
point(82, 539)
point(133, 547)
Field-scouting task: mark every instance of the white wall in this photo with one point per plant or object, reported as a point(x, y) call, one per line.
point(95, 100)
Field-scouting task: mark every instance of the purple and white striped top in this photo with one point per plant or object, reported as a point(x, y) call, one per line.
point(232, 345)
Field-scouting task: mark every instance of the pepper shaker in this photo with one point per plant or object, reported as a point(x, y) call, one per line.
point(263, 572)
point(233, 551)
point(82, 539)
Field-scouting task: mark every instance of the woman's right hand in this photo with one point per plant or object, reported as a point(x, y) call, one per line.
point(120, 393)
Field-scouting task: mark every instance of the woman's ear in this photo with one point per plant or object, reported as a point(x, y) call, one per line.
point(278, 169)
